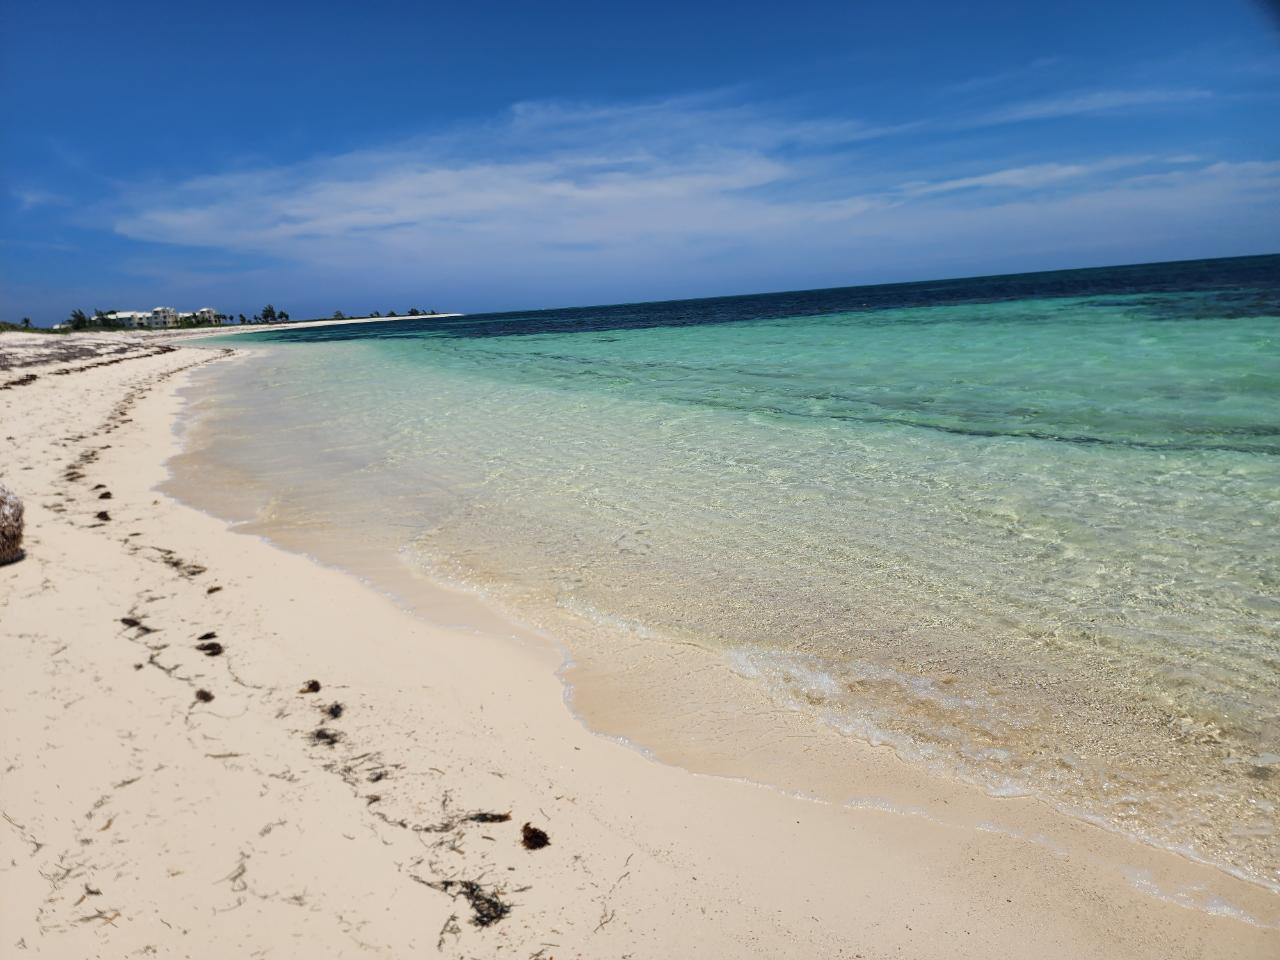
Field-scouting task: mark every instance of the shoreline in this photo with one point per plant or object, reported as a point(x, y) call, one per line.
point(678, 718)
point(676, 695)
point(72, 341)
point(302, 324)
point(461, 721)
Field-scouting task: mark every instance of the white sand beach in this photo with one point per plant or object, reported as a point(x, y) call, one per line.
point(216, 748)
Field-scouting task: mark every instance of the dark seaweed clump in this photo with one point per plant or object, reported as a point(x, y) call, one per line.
point(326, 736)
point(484, 817)
point(533, 838)
point(486, 908)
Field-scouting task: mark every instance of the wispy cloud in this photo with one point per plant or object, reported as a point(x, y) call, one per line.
point(1088, 102)
point(580, 174)
point(1033, 176)
point(583, 193)
point(28, 198)
point(1002, 77)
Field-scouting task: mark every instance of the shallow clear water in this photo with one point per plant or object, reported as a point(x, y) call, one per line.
point(1023, 529)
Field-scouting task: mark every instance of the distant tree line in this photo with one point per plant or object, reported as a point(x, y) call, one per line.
point(101, 320)
point(268, 314)
point(411, 312)
point(105, 319)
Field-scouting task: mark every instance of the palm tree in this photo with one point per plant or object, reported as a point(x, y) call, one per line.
point(78, 319)
point(26, 322)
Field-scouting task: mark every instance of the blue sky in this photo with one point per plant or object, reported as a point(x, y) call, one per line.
point(496, 155)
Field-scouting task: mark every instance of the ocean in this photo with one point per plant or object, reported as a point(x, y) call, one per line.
point(1022, 529)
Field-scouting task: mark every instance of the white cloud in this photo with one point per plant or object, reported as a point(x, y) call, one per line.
point(568, 198)
point(593, 176)
point(1088, 102)
point(1028, 177)
point(1002, 77)
point(29, 198)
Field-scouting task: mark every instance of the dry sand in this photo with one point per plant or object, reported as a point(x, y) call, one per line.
point(141, 818)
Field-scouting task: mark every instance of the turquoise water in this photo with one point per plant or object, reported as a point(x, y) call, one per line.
point(1021, 529)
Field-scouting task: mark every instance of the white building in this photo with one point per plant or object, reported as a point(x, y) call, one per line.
point(204, 315)
point(150, 319)
point(159, 318)
point(163, 317)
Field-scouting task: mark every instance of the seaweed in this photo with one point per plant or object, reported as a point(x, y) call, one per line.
point(171, 559)
point(204, 696)
point(334, 710)
point(483, 817)
point(210, 649)
point(487, 908)
point(311, 686)
point(103, 516)
point(532, 838)
point(207, 636)
point(326, 736)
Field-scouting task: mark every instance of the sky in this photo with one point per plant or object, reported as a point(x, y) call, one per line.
point(328, 156)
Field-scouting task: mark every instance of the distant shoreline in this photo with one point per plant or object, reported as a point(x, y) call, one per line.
point(222, 328)
point(296, 324)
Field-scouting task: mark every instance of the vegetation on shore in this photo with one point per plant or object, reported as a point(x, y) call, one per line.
point(106, 319)
point(24, 326)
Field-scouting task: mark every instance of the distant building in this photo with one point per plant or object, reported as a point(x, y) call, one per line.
point(205, 315)
point(160, 318)
point(164, 317)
